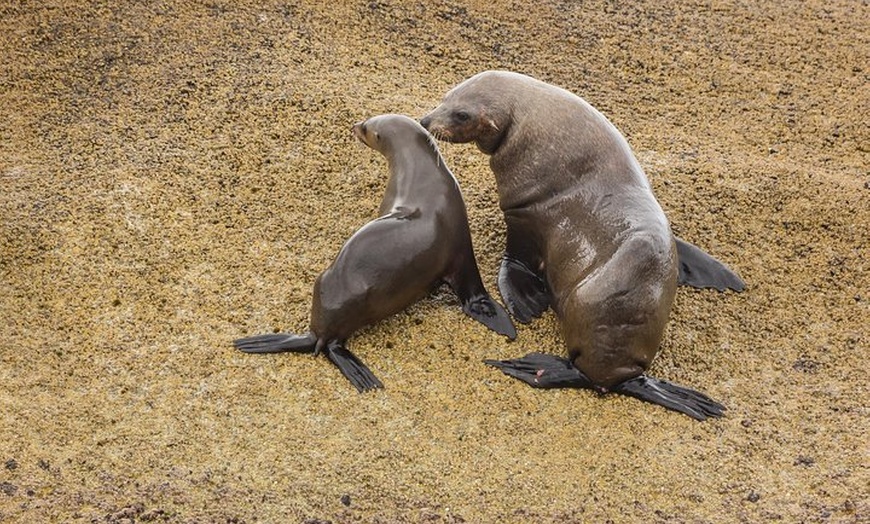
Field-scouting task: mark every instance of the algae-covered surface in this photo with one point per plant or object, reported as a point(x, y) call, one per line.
point(175, 175)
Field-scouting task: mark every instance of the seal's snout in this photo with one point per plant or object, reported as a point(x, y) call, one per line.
point(426, 121)
point(359, 129)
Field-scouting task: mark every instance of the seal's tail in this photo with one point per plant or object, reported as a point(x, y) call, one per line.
point(277, 343)
point(540, 370)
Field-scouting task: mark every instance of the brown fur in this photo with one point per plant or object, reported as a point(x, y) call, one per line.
point(580, 214)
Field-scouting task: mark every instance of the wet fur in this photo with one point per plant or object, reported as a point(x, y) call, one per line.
point(585, 234)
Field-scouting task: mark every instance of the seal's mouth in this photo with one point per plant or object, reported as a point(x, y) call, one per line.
point(436, 130)
point(441, 133)
point(359, 129)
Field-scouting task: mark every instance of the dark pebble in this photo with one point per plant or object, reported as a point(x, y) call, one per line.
point(804, 460)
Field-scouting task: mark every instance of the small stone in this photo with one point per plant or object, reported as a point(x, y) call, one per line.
point(804, 460)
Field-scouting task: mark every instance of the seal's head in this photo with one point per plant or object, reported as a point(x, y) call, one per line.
point(382, 133)
point(477, 110)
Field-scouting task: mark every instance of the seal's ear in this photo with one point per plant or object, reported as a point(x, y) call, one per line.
point(489, 122)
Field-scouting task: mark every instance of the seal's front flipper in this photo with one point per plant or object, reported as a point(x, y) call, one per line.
point(678, 398)
point(525, 293)
point(352, 368)
point(700, 270)
point(277, 343)
point(490, 313)
point(476, 302)
point(540, 370)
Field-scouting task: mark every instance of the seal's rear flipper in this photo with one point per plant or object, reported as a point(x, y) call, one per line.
point(678, 398)
point(277, 343)
point(525, 293)
point(490, 313)
point(540, 370)
point(352, 368)
point(549, 371)
point(700, 270)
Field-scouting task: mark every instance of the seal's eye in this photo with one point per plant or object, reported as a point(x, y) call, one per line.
point(461, 116)
point(377, 136)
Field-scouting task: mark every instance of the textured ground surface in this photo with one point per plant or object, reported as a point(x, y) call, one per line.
point(174, 175)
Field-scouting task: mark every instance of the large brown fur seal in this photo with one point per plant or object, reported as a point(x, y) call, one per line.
point(585, 235)
point(420, 240)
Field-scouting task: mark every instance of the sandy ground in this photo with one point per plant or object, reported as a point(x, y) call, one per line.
point(174, 175)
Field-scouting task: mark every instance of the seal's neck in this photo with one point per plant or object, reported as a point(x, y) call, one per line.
point(417, 172)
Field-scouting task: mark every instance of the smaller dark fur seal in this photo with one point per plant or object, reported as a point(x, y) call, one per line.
point(420, 240)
